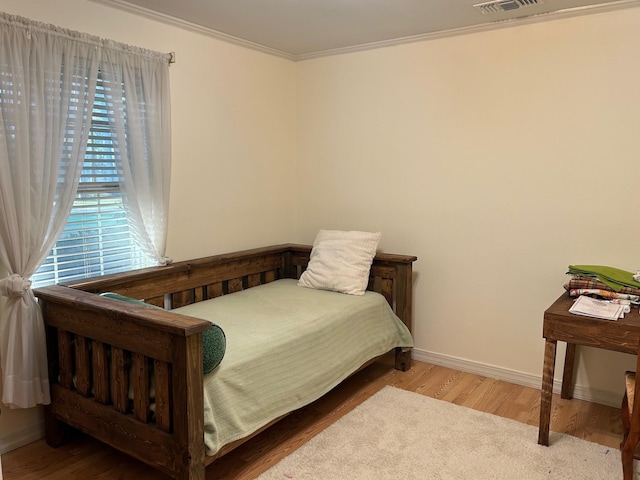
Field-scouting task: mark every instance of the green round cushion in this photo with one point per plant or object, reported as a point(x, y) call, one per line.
point(214, 345)
point(214, 342)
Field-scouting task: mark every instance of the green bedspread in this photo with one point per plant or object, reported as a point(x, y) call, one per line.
point(286, 347)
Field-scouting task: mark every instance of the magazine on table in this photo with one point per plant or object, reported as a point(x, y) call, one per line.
point(592, 307)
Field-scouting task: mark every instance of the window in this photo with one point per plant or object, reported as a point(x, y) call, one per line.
point(96, 239)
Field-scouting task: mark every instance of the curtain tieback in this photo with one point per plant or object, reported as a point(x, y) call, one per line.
point(14, 285)
point(165, 261)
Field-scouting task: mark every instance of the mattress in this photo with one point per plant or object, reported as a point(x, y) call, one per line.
point(286, 347)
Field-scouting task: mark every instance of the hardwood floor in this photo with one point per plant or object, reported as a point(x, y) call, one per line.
point(85, 458)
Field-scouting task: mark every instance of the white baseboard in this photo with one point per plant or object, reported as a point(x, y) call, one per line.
point(20, 438)
point(580, 392)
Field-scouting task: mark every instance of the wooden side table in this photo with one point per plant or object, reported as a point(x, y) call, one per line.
point(559, 325)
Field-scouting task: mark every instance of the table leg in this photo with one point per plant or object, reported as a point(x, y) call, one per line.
point(567, 375)
point(547, 391)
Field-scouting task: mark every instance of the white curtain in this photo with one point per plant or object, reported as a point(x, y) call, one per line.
point(48, 79)
point(47, 87)
point(139, 84)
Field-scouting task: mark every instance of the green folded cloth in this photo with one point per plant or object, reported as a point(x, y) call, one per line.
point(214, 341)
point(610, 276)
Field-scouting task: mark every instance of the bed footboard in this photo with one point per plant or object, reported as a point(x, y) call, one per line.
point(131, 376)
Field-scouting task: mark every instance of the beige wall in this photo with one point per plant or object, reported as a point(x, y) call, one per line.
point(498, 158)
point(233, 119)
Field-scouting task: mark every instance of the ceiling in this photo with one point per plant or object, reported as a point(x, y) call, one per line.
point(299, 29)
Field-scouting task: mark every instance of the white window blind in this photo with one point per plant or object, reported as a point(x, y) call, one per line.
point(96, 239)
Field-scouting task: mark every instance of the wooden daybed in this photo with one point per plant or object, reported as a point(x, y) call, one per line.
point(101, 351)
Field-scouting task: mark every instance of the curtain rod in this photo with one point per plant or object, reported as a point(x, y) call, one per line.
point(27, 23)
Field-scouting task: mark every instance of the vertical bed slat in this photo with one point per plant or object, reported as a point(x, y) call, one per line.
point(157, 301)
point(140, 381)
point(119, 389)
point(253, 280)
point(269, 276)
point(185, 297)
point(100, 373)
point(83, 366)
point(387, 290)
point(199, 294)
point(65, 356)
point(163, 395)
point(234, 285)
point(214, 290)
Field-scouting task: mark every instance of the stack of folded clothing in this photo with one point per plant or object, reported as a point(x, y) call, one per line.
point(605, 282)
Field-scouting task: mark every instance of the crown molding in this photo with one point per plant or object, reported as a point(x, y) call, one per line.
point(192, 27)
point(543, 17)
point(485, 27)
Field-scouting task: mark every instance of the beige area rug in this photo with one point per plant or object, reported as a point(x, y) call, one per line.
point(398, 434)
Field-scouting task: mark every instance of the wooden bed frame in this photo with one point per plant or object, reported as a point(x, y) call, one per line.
point(99, 347)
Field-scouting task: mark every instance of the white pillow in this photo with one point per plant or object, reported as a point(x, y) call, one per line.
point(340, 261)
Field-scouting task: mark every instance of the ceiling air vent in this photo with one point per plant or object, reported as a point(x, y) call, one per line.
point(505, 5)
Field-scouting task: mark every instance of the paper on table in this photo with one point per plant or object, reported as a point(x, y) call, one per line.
point(591, 307)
